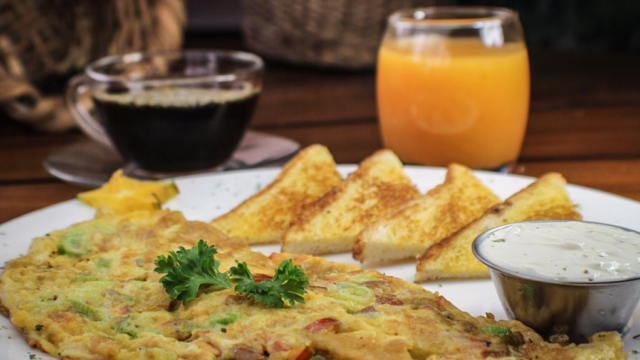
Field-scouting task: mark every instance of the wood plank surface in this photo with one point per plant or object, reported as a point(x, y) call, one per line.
point(583, 132)
point(618, 176)
point(24, 198)
point(574, 133)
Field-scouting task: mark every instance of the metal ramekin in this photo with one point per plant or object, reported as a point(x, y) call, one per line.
point(556, 307)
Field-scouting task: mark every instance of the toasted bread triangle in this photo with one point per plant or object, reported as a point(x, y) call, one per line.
point(332, 223)
point(545, 199)
point(409, 230)
point(264, 217)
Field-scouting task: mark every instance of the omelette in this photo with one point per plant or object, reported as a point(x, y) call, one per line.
point(90, 292)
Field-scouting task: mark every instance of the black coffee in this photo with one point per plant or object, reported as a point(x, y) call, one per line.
point(176, 129)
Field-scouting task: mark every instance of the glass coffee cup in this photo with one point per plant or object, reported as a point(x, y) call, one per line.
point(170, 111)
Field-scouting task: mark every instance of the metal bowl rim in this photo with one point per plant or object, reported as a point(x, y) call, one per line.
point(475, 245)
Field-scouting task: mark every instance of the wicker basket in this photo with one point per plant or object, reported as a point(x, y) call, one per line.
point(42, 40)
point(328, 33)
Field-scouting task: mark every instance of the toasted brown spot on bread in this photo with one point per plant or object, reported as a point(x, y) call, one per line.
point(332, 223)
point(264, 217)
point(410, 229)
point(545, 199)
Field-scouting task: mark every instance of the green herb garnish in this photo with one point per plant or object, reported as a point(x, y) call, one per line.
point(187, 270)
point(288, 284)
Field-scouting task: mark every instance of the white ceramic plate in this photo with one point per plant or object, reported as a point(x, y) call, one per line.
point(204, 197)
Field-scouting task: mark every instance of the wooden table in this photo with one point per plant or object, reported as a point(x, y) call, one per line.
point(584, 123)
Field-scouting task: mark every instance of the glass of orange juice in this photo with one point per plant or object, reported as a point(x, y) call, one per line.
point(453, 86)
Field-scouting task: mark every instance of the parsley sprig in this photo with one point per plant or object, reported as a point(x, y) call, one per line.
point(288, 283)
point(188, 269)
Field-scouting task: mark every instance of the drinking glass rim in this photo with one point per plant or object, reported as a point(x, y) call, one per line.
point(476, 19)
point(94, 74)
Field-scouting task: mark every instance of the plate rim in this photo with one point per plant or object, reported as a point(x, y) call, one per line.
point(338, 166)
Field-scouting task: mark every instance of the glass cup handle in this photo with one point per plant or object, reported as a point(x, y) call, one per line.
point(78, 86)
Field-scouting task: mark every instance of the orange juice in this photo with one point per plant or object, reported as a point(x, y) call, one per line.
point(443, 100)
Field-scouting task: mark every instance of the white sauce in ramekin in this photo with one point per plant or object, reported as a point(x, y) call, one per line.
point(564, 250)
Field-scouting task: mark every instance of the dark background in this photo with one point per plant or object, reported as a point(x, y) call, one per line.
point(571, 25)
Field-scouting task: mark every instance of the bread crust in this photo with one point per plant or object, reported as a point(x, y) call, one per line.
point(409, 230)
point(332, 223)
point(265, 216)
point(545, 199)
